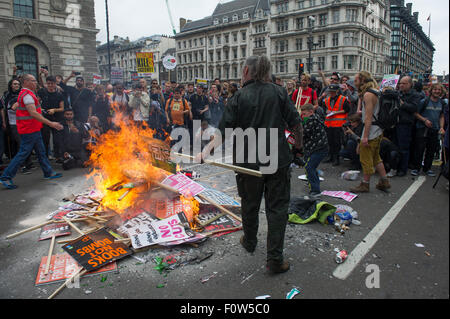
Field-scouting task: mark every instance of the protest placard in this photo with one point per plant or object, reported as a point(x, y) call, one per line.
point(116, 75)
point(219, 197)
point(62, 267)
point(184, 185)
point(57, 230)
point(208, 212)
point(348, 197)
point(145, 63)
point(390, 80)
point(96, 250)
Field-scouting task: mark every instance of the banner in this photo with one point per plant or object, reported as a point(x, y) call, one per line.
point(116, 75)
point(144, 63)
point(97, 79)
point(389, 80)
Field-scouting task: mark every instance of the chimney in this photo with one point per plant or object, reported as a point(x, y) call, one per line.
point(116, 38)
point(409, 8)
point(182, 23)
point(416, 16)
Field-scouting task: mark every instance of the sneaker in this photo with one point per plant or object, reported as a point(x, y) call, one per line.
point(392, 173)
point(315, 195)
point(56, 175)
point(431, 173)
point(26, 171)
point(278, 268)
point(9, 185)
point(415, 172)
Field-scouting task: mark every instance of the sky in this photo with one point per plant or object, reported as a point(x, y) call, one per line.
point(138, 18)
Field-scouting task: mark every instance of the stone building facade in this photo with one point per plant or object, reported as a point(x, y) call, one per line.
point(59, 34)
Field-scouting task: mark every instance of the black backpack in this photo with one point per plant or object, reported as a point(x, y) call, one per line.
point(389, 113)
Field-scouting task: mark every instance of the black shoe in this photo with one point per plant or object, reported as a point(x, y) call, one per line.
point(249, 248)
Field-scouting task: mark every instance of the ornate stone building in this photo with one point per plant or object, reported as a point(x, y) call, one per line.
point(59, 34)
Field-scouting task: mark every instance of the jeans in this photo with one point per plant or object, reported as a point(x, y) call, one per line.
point(427, 141)
point(311, 170)
point(28, 142)
point(350, 151)
point(403, 135)
point(2, 143)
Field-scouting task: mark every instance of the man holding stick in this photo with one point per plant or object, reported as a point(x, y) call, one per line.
point(261, 105)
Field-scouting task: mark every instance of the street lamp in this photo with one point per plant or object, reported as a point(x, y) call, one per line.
point(310, 42)
point(107, 34)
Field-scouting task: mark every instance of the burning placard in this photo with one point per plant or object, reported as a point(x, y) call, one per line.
point(96, 250)
point(184, 185)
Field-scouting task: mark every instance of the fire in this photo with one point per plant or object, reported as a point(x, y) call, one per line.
point(124, 158)
point(191, 208)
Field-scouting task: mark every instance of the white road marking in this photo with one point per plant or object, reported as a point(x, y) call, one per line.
point(354, 258)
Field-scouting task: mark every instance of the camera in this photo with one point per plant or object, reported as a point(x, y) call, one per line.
point(347, 125)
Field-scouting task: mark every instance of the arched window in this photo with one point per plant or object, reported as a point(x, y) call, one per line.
point(24, 9)
point(27, 58)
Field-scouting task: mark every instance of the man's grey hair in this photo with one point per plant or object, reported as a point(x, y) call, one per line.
point(259, 68)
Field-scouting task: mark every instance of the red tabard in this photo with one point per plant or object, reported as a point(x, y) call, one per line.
point(26, 124)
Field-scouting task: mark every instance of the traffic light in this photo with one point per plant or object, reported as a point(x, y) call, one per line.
point(301, 70)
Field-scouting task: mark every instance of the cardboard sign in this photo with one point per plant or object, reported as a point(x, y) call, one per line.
point(390, 80)
point(170, 62)
point(116, 75)
point(145, 63)
point(57, 230)
point(62, 267)
point(208, 212)
point(167, 230)
point(349, 197)
point(97, 79)
point(143, 218)
point(96, 250)
point(184, 185)
point(219, 197)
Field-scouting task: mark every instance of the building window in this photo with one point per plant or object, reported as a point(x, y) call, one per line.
point(24, 9)
point(336, 16)
point(352, 15)
point(322, 42)
point(243, 52)
point(225, 20)
point(301, 4)
point(283, 7)
point(282, 46)
point(281, 67)
point(323, 19)
point(299, 44)
point(235, 72)
point(235, 53)
point(283, 25)
point(245, 15)
point(216, 21)
point(244, 36)
point(321, 64)
point(300, 23)
point(350, 38)
point(334, 62)
point(26, 57)
point(235, 37)
point(235, 17)
point(349, 62)
point(312, 3)
point(335, 39)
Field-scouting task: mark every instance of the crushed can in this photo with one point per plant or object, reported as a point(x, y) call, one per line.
point(341, 256)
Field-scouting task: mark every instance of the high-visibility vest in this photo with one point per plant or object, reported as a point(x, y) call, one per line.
point(339, 119)
point(26, 124)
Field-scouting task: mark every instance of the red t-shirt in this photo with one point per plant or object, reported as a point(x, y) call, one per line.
point(307, 97)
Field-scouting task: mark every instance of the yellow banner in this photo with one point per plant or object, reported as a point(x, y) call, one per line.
point(145, 63)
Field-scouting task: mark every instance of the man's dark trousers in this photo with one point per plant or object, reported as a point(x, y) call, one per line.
point(276, 189)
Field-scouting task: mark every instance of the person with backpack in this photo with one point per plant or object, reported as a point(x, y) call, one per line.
point(430, 119)
point(369, 148)
point(409, 105)
point(177, 110)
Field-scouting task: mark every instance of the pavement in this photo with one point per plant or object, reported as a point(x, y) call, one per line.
point(393, 267)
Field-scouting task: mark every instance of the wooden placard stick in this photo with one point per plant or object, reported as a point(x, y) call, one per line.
point(80, 273)
point(209, 221)
point(73, 226)
point(49, 257)
point(235, 168)
point(29, 229)
point(99, 219)
point(222, 230)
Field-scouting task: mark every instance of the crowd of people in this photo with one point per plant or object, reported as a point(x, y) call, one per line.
point(335, 121)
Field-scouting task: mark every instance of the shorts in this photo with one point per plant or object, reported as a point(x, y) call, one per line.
point(370, 156)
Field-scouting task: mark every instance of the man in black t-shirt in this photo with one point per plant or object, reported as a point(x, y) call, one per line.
point(200, 105)
point(52, 103)
point(80, 98)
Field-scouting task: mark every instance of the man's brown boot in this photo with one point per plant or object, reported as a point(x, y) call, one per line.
point(277, 267)
point(383, 185)
point(362, 188)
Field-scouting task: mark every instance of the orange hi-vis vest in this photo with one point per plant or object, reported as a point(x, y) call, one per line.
point(26, 124)
point(339, 119)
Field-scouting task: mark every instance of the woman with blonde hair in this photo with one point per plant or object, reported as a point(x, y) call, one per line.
point(369, 148)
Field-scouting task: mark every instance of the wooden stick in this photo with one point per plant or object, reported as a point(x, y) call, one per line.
point(212, 220)
point(92, 217)
point(72, 225)
point(80, 273)
point(124, 195)
point(49, 257)
point(29, 229)
point(221, 231)
point(235, 168)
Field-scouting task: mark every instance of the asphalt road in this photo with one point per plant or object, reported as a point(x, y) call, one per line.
point(405, 270)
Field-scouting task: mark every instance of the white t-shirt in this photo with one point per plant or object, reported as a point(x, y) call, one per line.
point(28, 99)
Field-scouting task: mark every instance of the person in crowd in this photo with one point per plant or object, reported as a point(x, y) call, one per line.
point(334, 79)
point(200, 104)
point(143, 83)
point(290, 87)
point(216, 106)
point(177, 110)
point(94, 131)
point(52, 103)
point(102, 108)
point(337, 107)
point(190, 91)
point(315, 147)
point(81, 99)
point(120, 100)
point(205, 134)
point(390, 154)
point(353, 132)
point(157, 120)
point(9, 147)
point(430, 124)
point(29, 122)
point(72, 137)
point(167, 91)
point(263, 104)
point(140, 104)
point(369, 148)
point(409, 106)
point(109, 90)
point(307, 96)
point(349, 91)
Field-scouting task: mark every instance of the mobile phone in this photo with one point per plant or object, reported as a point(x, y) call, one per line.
point(77, 73)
